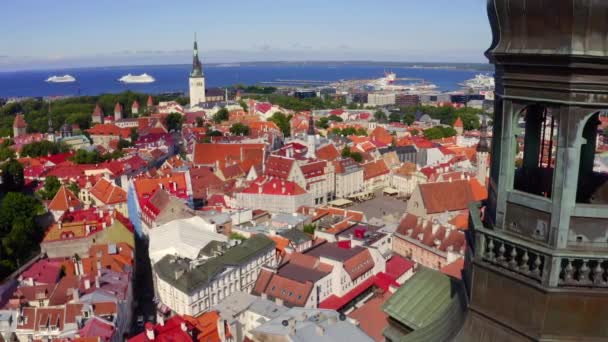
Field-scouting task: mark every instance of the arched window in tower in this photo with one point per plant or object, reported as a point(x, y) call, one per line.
point(593, 168)
point(536, 135)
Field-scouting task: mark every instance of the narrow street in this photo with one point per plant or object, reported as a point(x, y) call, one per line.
point(143, 287)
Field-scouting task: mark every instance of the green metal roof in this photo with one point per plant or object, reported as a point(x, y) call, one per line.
point(295, 235)
point(423, 299)
point(176, 271)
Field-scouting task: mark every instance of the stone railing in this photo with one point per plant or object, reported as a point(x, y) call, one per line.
point(583, 272)
point(513, 257)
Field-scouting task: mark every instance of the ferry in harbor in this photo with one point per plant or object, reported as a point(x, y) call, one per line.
point(480, 81)
point(143, 78)
point(61, 79)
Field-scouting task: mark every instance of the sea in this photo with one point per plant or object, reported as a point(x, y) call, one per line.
point(174, 78)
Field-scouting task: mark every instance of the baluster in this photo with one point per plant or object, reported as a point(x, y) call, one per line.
point(513, 261)
point(583, 272)
point(535, 265)
point(568, 272)
point(501, 253)
point(490, 255)
point(598, 273)
point(524, 267)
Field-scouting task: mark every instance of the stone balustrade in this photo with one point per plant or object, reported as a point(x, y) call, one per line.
point(515, 258)
point(583, 272)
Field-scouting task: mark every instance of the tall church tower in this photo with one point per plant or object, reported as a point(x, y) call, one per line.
point(483, 150)
point(310, 138)
point(537, 259)
point(197, 79)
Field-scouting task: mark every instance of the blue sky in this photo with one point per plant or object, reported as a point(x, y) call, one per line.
point(65, 33)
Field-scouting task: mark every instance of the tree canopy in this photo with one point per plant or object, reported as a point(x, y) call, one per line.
point(43, 148)
point(174, 121)
point(221, 115)
point(282, 121)
point(12, 176)
point(51, 186)
point(439, 132)
point(19, 232)
point(347, 153)
point(94, 157)
point(239, 129)
point(346, 131)
point(380, 116)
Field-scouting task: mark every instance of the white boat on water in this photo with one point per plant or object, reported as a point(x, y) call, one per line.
point(481, 81)
point(61, 79)
point(143, 78)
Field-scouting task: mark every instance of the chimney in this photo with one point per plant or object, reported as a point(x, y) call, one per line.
point(75, 295)
point(97, 279)
point(87, 284)
point(184, 327)
point(174, 186)
point(161, 320)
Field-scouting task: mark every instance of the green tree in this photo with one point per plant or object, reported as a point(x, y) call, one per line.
point(394, 117)
point(74, 188)
point(322, 123)
point(409, 118)
point(6, 153)
point(215, 134)
point(357, 156)
point(415, 132)
point(282, 121)
point(122, 143)
point(12, 176)
point(221, 115)
point(380, 116)
point(439, 132)
point(244, 105)
point(51, 186)
point(134, 135)
point(309, 229)
point(239, 129)
point(43, 148)
point(335, 118)
point(345, 152)
point(174, 122)
point(237, 236)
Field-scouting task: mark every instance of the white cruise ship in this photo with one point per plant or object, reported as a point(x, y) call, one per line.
point(61, 79)
point(143, 78)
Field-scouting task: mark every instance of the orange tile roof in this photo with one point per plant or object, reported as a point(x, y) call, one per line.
point(108, 193)
point(382, 135)
point(454, 269)
point(374, 169)
point(64, 200)
point(359, 264)
point(206, 324)
point(451, 196)
point(461, 221)
point(110, 129)
point(458, 122)
point(209, 154)
point(328, 152)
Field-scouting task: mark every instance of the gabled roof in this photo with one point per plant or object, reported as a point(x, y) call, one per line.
point(406, 305)
point(98, 111)
point(328, 152)
point(450, 196)
point(374, 169)
point(273, 186)
point(108, 193)
point(209, 154)
point(280, 167)
point(64, 200)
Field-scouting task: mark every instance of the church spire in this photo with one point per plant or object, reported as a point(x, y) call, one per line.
point(311, 125)
point(197, 68)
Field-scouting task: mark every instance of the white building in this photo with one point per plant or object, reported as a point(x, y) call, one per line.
point(380, 99)
point(197, 79)
point(274, 195)
point(184, 238)
point(193, 286)
point(349, 178)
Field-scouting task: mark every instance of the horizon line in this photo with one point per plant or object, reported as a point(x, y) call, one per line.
point(248, 62)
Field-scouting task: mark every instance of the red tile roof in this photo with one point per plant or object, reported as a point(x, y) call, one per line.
point(458, 122)
point(64, 200)
point(273, 186)
point(98, 111)
point(328, 152)
point(374, 169)
point(382, 135)
point(280, 167)
point(448, 196)
point(110, 129)
point(359, 264)
point(108, 193)
point(314, 169)
point(454, 269)
point(209, 154)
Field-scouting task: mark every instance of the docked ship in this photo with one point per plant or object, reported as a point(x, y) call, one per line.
point(61, 79)
point(143, 78)
point(481, 81)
